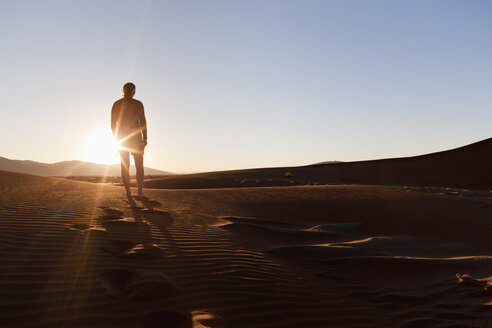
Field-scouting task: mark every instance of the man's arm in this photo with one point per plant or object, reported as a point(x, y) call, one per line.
point(143, 124)
point(114, 118)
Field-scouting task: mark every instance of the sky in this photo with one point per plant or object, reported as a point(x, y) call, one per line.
point(242, 84)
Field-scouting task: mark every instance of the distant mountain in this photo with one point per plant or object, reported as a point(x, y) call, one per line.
point(328, 162)
point(68, 168)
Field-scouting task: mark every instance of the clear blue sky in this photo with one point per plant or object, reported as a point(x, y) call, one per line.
point(238, 84)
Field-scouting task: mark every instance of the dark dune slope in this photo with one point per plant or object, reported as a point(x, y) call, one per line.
point(465, 167)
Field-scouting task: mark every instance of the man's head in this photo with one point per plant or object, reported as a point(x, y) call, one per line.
point(129, 89)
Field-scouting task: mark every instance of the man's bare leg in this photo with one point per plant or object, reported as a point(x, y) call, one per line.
point(125, 171)
point(138, 158)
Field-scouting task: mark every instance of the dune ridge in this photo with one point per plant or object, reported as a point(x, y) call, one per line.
point(466, 167)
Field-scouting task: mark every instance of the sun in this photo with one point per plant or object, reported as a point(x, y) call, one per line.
point(101, 147)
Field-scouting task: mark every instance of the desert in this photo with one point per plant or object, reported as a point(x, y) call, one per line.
point(76, 254)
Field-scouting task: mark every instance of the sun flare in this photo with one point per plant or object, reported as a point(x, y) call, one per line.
point(101, 147)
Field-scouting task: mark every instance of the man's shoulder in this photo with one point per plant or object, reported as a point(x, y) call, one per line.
point(138, 102)
point(117, 102)
point(131, 101)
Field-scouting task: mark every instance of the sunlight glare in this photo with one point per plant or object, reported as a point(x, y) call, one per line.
point(101, 147)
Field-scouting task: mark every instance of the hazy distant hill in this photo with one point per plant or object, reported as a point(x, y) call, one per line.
point(67, 168)
point(328, 162)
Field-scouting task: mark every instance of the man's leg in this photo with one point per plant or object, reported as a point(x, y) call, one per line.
point(138, 158)
point(125, 171)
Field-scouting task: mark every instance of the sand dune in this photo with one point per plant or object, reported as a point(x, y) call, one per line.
point(466, 167)
point(75, 254)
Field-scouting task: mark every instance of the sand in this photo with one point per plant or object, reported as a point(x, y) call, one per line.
point(75, 254)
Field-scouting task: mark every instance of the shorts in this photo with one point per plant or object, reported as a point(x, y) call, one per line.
point(133, 145)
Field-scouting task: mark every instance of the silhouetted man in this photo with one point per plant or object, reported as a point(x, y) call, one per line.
point(130, 129)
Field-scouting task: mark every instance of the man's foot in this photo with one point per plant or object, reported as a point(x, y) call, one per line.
point(130, 200)
point(141, 194)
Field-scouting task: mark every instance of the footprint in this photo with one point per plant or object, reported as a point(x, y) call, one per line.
point(154, 211)
point(206, 319)
point(150, 286)
point(168, 319)
point(95, 235)
point(110, 214)
point(80, 226)
point(261, 222)
point(349, 227)
point(75, 235)
point(104, 218)
point(142, 252)
point(117, 280)
point(111, 211)
point(129, 224)
point(119, 247)
point(147, 201)
point(134, 207)
point(142, 286)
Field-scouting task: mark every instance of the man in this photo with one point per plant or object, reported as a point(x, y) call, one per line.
point(130, 129)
